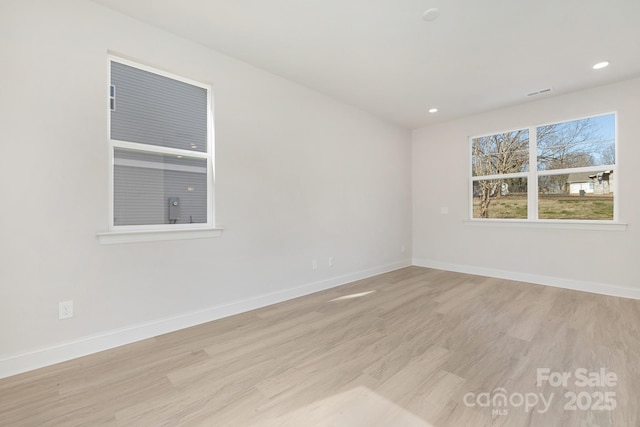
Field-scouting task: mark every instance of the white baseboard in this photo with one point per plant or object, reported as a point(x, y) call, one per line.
point(19, 363)
point(577, 285)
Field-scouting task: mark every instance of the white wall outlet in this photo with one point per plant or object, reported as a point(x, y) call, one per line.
point(65, 309)
point(402, 249)
point(444, 210)
point(330, 261)
point(314, 264)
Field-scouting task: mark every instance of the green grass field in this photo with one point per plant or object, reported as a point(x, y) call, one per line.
point(550, 207)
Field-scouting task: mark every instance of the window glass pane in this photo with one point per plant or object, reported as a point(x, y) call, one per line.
point(144, 183)
point(579, 143)
point(586, 196)
point(157, 110)
point(500, 198)
point(501, 153)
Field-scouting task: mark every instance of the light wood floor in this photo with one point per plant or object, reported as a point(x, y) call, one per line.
point(407, 353)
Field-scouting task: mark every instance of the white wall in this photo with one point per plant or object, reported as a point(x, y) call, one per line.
point(299, 176)
point(594, 260)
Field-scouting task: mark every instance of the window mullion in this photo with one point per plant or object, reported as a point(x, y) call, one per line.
point(501, 176)
point(576, 170)
point(532, 181)
point(158, 149)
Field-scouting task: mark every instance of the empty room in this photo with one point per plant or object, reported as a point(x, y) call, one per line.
point(320, 213)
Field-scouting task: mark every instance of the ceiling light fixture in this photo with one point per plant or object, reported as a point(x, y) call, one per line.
point(601, 65)
point(431, 14)
point(433, 110)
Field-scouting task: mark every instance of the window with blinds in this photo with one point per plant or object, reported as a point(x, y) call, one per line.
point(160, 141)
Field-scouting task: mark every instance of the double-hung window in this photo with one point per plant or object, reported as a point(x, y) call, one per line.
point(160, 142)
point(558, 171)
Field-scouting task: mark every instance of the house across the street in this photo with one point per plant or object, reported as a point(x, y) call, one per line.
point(589, 183)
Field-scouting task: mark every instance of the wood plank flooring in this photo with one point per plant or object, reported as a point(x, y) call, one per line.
point(415, 347)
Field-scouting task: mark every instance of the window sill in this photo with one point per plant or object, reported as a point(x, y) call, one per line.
point(113, 237)
point(565, 225)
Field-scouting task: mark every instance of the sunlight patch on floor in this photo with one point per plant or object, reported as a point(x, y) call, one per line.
point(351, 296)
point(358, 407)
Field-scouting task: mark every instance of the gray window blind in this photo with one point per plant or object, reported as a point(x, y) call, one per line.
point(145, 182)
point(152, 109)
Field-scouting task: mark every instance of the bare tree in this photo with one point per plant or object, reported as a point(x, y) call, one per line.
point(608, 155)
point(496, 155)
point(567, 145)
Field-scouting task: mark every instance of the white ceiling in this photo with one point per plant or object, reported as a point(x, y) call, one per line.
point(381, 56)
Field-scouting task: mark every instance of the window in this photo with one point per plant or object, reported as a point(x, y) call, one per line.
point(560, 171)
point(160, 139)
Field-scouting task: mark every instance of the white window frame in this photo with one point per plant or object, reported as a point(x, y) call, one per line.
point(152, 232)
point(532, 184)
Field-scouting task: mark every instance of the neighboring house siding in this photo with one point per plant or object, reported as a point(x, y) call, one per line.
point(600, 183)
point(603, 182)
point(576, 187)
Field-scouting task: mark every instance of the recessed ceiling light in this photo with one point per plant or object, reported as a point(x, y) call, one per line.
point(433, 110)
point(600, 65)
point(431, 14)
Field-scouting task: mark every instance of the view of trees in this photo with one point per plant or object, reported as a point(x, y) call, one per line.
point(574, 144)
point(496, 155)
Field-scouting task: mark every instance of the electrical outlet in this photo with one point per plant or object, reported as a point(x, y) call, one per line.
point(330, 261)
point(314, 264)
point(65, 309)
point(402, 248)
